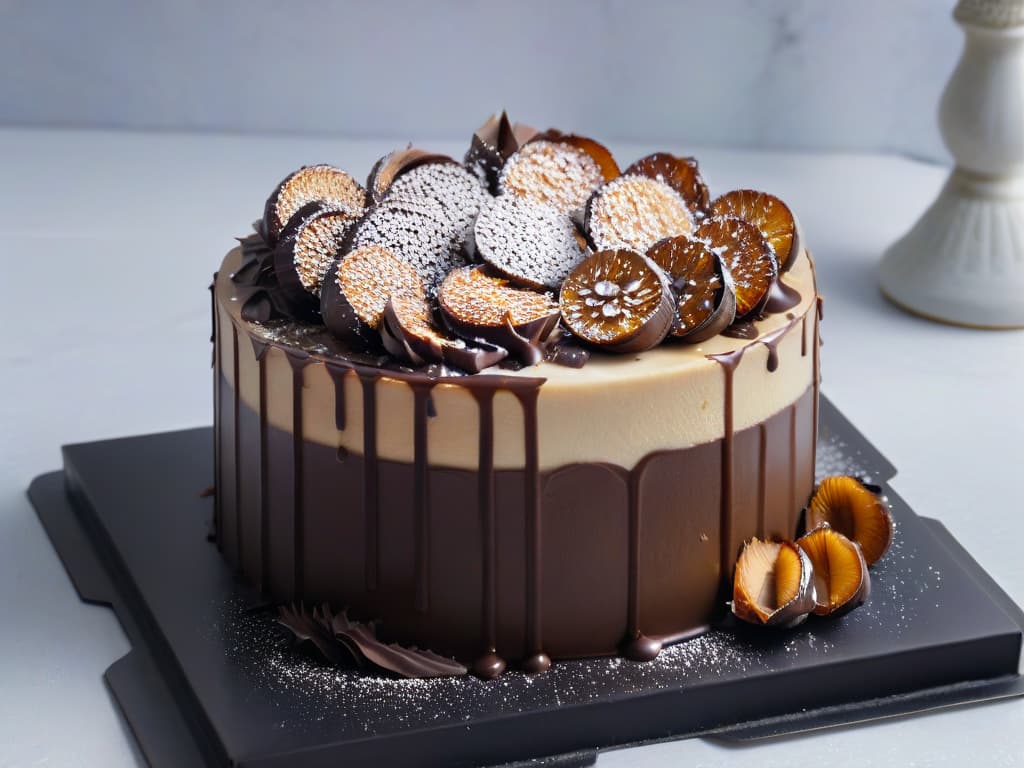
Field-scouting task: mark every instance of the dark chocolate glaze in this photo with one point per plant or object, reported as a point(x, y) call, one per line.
point(744, 329)
point(298, 364)
point(782, 298)
point(371, 478)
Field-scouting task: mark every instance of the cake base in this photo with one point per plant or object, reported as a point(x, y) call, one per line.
point(207, 682)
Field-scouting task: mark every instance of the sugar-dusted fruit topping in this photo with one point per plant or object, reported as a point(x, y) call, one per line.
point(635, 212)
point(680, 173)
point(618, 300)
point(477, 305)
point(705, 297)
point(770, 215)
point(390, 167)
point(560, 173)
point(748, 257)
point(329, 187)
point(527, 241)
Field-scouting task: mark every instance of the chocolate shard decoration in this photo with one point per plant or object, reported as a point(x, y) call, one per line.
point(493, 143)
point(346, 643)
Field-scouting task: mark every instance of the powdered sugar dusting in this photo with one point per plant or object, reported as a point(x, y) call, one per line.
point(527, 240)
point(636, 212)
point(316, 247)
point(561, 175)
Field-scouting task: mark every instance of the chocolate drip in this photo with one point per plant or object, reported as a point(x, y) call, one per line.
point(218, 407)
point(762, 479)
point(771, 342)
point(235, 442)
point(298, 364)
point(537, 660)
point(728, 361)
point(816, 381)
point(490, 664)
point(636, 646)
point(421, 493)
point(371, 490)
point(260, 351)
point(803, 336)
point(794, 505)
point(781, 297)
point(337, 374)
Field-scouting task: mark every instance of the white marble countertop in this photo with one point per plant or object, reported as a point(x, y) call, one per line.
point(108, 244)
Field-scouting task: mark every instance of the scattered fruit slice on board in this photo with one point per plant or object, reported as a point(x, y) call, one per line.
point(855, 510)
point(841, 580)
point(773, 584)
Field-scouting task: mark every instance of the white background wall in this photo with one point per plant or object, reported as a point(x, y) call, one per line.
point(863, 74)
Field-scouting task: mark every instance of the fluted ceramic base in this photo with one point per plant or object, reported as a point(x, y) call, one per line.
point(963, 262)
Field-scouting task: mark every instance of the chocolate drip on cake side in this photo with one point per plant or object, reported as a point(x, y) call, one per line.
point(728, 361)
point(218, 479)
point(297, 361)
point(259, 350)
point(490, 664)
point(636, 645)
point(819, 314)
point(235, 447)
point(536, 660)
point(371, 489)
point(421, 493)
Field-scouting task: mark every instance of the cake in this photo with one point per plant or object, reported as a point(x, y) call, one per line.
point(551, 484)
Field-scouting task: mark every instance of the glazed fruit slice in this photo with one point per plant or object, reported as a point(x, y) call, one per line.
point(773, 584)
point(635, 212)
point(477, 305)
point(526, 241)
point(357, 288)
point(306, 251)
point(618, 300)
point(748, 257)
point(856, 510)
point(393, 165)
point(705, 297)
point(680, 173)
point(419, 231)
point(408, 332)
point(770, 215)
point(561, 171)
point(331, 188)
point(841, 580)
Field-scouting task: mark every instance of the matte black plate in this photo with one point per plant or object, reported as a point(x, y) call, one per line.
point(210, 682)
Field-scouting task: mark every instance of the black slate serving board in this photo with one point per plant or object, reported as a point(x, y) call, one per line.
point(210, 682)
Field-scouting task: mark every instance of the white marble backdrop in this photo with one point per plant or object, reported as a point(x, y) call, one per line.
point(858, 75)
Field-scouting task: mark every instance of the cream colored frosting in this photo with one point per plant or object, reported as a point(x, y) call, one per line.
point(616, 409)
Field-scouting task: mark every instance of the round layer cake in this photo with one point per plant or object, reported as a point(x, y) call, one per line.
point(511, 516)
point(519, 408)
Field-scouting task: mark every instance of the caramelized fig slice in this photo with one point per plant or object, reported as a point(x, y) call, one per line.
point(357, 288)
point(479, 306)
point(680, 173)
point(635, 212)
point(747, 256)
point(770, 215)
point(558, 173)
point(409, 333)
point(841, 580)
point(330, 187)
point(598, 152)
point(856, 511)
point(773, 584)
point(393, 165)
point(618, 300)
point(705, 297)
point(529, 242)
point(307, 250)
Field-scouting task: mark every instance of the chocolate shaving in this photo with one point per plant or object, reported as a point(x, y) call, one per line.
point(346, 643)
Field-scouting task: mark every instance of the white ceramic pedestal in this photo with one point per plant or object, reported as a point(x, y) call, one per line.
point(963, 262)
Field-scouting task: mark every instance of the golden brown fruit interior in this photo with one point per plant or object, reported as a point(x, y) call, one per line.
point(768, 213)
point(555, 173)
point(692, 269)
point(368, 276)
point(680, 173)
point(317, 183)
point(839, 568)
point(855, 511)
point(788, 571)
point(611, 295)
point(474, 296)
point(755, 584)
point(747, 256)
point(636, 212)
